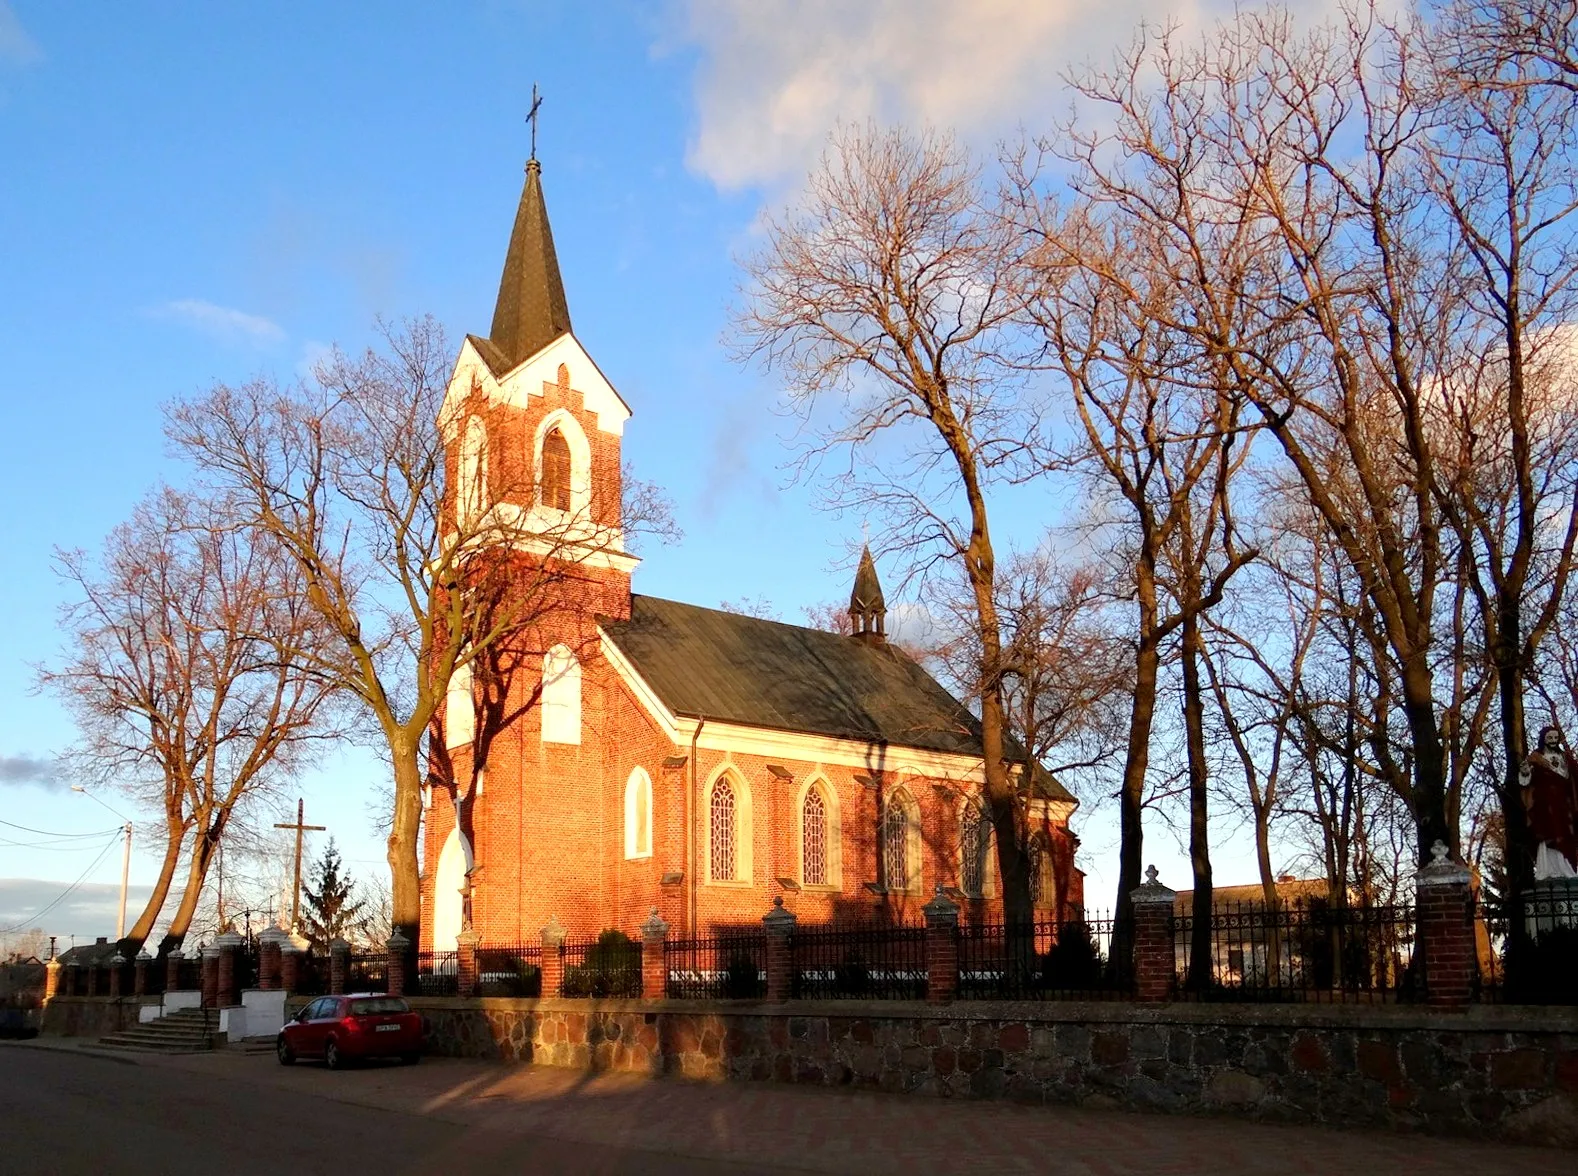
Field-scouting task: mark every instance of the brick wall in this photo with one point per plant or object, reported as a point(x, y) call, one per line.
point(1502, 1073)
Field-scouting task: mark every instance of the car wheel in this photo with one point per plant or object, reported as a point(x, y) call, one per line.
point(410, 1059)
point(332, 1056)
point(282, 1050)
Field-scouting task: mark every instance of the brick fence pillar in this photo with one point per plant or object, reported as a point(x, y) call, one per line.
point(1155, 965)
point(269, 958)
point(140, 973)
point(210, 976)
point(172, 971)
point(339, 965)
point(225, 989)
point(1445, 935)
point(466, 979)
point(52, 971)
point(291, 955)
point(942, 948)
point(117, 973)
point(398, 946)
point(553, 936)
point(780, 924)
point(654, 958)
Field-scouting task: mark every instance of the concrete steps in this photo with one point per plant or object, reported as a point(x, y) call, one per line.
point(185, 1031)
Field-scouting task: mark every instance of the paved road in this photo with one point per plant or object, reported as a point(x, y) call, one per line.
point(66, 1113)
point(63, 1111)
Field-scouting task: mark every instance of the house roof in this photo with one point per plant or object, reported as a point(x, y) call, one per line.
point(711, 664)
point(1251, 894)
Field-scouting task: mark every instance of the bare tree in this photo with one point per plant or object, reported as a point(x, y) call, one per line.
point(185, 675)
point(889, 297)
point(354, 474)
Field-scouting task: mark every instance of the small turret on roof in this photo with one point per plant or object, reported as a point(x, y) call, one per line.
point(866, 607)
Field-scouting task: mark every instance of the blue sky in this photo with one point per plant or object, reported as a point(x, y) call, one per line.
point(201, 192)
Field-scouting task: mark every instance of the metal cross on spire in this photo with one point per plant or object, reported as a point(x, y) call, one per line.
point(531, 117)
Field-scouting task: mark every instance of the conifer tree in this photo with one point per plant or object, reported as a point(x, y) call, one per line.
point(329, 912)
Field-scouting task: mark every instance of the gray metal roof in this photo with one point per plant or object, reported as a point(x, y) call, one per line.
point(707, 663)
point(531, 311)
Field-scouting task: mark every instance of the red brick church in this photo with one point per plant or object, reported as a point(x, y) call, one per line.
point(669, 755)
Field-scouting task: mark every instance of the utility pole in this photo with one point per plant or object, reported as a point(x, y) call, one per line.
point(301, 827)
point(120, 920)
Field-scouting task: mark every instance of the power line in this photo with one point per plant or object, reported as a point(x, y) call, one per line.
point(37, 915)
point(47, 846)
point(47, 833)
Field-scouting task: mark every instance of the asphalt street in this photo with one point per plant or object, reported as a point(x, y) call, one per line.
point(74, 1113)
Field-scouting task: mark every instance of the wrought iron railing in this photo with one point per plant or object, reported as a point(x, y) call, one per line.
point(510, 970)
point(721, 967)
point(1527, 948)
point(1302, 951)
point(876, 962)
point(368, 972)
point(609, 965)
point(437, 973)
point(1071, 960)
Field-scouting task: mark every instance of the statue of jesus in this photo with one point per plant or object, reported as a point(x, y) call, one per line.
point(1549, 779)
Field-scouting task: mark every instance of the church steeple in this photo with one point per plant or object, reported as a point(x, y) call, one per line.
point(531, 311)
point(866, 607)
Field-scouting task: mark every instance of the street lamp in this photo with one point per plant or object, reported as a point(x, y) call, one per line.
point(120, 920)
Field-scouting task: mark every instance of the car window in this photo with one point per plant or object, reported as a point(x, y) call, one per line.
point(324, 1008)
point(375, 1006)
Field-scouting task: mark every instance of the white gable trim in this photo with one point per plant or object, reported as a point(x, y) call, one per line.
point(517, 386)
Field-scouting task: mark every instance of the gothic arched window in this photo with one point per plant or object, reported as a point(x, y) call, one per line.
point(555, 471)
point(460, 710)
point(723, 829)
point(1042, 887)
point(638, 815)
point(471, 484)
point(813, 840)
point(974, 837)
point(900, 851)
point(561, 696)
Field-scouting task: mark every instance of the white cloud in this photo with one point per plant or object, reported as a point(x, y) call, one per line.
point(16, 47)
point(775, 76)
point(222, 322)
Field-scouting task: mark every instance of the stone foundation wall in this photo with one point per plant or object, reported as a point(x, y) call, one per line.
point(92, 1016)
point(1507, 1073)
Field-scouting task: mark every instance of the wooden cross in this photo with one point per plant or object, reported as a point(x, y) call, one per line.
point(301, 828)
point(531, 117)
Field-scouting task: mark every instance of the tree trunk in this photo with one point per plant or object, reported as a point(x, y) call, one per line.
point(404, 870)
point(175, 835)
point(204, 846)
point(1430, 812)
point(1200, 969)
point(1131, 799)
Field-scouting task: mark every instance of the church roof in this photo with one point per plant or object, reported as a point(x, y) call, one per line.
point(531, 311)
point(711, 664)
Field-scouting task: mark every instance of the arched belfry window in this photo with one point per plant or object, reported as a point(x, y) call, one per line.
point(638, 815)
point(722, 832)
point(900, 843)
point(813, 839)
point(471, 485)
point(555, 471)
point(561, 696)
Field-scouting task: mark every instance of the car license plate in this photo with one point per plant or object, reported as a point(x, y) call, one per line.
point(388, 1029)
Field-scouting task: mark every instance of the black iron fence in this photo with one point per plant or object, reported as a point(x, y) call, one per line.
point(1528, 947)
point(1072, 960)
point(510, 970)
point(368, 972)
point(1301, 951)
point(609, 965)
point(876, 962)
point(723, 967)
point(437, 973)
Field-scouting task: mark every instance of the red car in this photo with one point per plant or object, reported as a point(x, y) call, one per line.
point(343, 1029)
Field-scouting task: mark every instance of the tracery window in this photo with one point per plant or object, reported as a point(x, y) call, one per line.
point(898, 830)
point(813, 840)
point(974, 837)
point(1042, 887)
point(722, 830)
point(555, 471)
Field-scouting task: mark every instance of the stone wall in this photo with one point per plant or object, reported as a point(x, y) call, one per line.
point(92, 1016)
point(1507, 1073)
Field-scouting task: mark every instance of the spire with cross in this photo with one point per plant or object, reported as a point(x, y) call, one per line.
point(531, 117)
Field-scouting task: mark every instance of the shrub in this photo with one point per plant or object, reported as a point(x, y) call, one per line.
point(742, 980)
point(612, 967)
